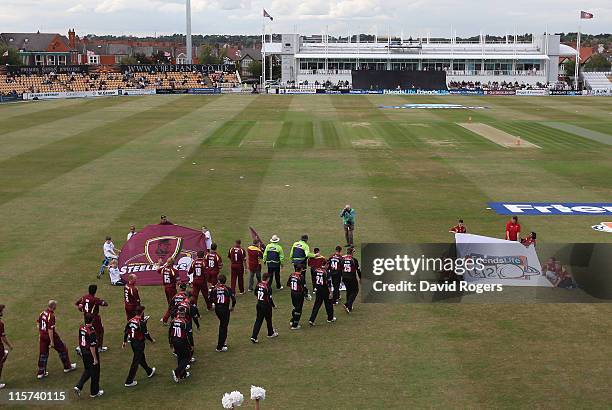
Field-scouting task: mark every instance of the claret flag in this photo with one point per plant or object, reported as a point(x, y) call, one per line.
point(266, 14)
point(583, 15)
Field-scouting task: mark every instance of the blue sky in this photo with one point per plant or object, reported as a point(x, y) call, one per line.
point(413, 17)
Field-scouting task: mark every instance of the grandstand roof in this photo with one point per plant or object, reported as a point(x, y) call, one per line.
point(32, 41)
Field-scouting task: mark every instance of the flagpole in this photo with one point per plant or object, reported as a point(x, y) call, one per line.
point(577, 67)
point(263, 55)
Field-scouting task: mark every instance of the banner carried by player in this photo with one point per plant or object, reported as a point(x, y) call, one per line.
point(141, 254)
point(505, 262)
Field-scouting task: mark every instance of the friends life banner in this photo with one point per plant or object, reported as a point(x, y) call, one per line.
point(502, 262)
point(140, 255)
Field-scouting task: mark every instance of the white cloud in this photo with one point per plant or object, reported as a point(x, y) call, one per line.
point(311, 16)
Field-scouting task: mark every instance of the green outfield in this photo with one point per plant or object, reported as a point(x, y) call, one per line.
point(74, 171)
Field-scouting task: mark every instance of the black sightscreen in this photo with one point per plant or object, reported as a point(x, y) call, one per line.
point(390, 80)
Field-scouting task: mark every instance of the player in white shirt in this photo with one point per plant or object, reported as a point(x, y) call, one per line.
point(115, 274)
point(109, 254)
point(207, 237)
point(132, 232)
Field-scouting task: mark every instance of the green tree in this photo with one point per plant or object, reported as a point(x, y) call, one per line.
point(597, 62)
point(570, 67)
point(207, 57)
point(255, 69)
point(12, 58)
point(129, 60)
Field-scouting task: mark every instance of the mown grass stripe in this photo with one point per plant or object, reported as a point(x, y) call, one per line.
point(20, 122)
point(230, 133)
point(296, 135)
point(328, 134)
point(31, 169)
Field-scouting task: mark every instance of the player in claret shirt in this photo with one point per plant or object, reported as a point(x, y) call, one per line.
point(324, 295)
point(221, 296)
point(169, 276)
point(334, 267)
point(131, 298)
point(197, 277)
point(255, 255)
point(136, 334)
point(459, 228)
point(48, 337)
point(3, 341)
point(265, 304)
point(350, 271)
point(90, 304)
point(178, 338)
point(213, 265)
point(237, 256)
point(296, 285)
point(315, 262)
point(91, 361)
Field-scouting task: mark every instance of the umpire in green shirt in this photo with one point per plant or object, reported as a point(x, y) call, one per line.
point(348, 220)
point(274, 257)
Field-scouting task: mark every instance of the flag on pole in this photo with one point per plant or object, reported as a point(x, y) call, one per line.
point(266, 14)
point(584, 15)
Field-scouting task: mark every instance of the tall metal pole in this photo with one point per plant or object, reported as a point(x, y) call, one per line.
point(577, 67)
point(188, 45)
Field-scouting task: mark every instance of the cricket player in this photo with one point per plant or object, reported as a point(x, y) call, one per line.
point(274, 257)
point(513, 230)
point(197, 277)
point(350, 272)
point(49, 338)
point(131, 297)
point(213, 265)
point(169, 277)
point(334, 267)
point(316, 262)
point(178, 338)
point(221, 296)
point(88, 345)
point(237, 256)
point(324, 295)
point(265, 304)
point(89, 304)
point(5, 346)
point(459, 228)
point(254, 257)
point(295, 283)
point(136, 334)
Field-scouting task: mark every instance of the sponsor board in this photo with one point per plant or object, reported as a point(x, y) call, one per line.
point(502, 262)
point(365, 91)
point(235, 90)
point(170, 91)
point(466, 92)
point(71, 94)
point(296, 91)
point(551, 208)
point(603, 227)
point(9, 98)
point(431, 107)
point(417, 92)
point(184, 68)
point(500, 92)
point(565, 92)
point(137, 92)
point(47, 69)
point(531, 92)
point(204, 91)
